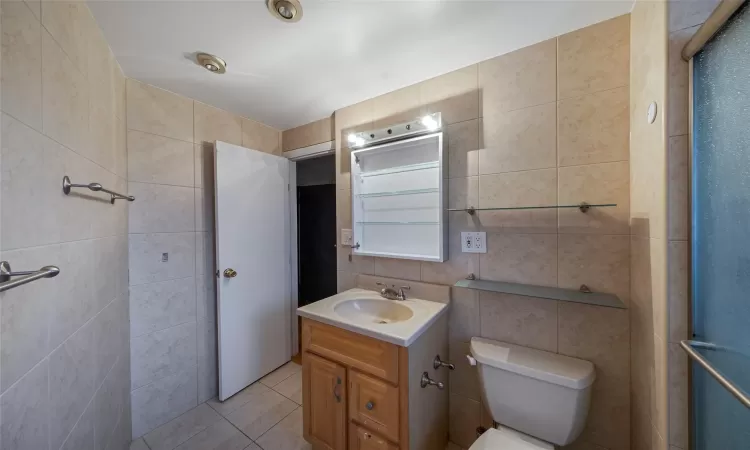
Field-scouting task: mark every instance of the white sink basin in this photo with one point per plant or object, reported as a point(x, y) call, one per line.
point(373, 311)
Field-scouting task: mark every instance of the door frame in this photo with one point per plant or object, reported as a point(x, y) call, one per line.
point(313, 151)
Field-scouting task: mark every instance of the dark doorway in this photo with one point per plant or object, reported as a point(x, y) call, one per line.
point(316, 225)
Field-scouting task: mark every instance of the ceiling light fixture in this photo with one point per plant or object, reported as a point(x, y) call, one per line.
point(211, 63)
point(285, 10)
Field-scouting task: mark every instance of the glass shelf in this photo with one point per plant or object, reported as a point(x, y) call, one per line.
point(584, 207)
point(552, 293)
point(394, 193)
point(398, 223)
point(407, 168)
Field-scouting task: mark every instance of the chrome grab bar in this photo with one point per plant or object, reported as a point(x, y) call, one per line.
point(26, 277)
point(96, 187)
point(687, 345)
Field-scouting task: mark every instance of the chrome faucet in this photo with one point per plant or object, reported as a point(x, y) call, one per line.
point(391, 293)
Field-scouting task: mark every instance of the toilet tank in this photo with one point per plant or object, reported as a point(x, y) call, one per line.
point(539, 393)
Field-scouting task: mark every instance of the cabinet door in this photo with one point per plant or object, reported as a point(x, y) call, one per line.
point(361, 439)
point(374, 404)
point(324, 398)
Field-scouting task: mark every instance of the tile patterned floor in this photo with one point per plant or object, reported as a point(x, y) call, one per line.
point(266, 415)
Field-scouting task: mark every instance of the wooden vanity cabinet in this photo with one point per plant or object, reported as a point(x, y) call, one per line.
point(361, 393)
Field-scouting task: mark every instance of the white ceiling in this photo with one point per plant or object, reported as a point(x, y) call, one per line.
point(340, 53)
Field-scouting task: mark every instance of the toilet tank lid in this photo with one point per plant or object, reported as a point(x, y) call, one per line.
point(545, 366)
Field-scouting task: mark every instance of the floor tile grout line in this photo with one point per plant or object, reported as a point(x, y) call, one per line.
point(280, 420)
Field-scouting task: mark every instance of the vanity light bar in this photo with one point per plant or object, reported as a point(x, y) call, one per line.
point(425, 124)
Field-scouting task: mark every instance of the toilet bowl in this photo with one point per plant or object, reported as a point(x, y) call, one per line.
point(539, 399)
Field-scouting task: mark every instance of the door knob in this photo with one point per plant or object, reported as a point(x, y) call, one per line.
point(230, 273)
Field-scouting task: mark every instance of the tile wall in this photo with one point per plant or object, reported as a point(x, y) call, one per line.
point(64, 363)
point(306, 135)
point(546, 124)
point(648, 210)
point(173, 302)
point(684, 19)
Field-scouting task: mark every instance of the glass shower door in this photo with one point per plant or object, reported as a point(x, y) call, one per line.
point(721, 239)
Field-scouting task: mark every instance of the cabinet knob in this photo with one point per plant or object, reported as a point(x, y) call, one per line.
point(369, 406)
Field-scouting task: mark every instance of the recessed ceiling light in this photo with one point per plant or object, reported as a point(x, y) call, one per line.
point(211, 63)
point(285, 10)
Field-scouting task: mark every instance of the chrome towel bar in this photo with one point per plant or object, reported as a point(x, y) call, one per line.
point(96, 187)
point(687, 345)
point(26, 277)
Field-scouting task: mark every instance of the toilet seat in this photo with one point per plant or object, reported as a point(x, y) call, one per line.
point(507, 439)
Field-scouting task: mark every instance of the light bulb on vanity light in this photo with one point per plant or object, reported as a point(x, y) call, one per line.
point(429, 122)
point(352, 138)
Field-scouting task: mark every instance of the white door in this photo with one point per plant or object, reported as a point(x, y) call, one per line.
point(253, 262)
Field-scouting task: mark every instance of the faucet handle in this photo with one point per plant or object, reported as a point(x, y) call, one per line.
point(406, 287)
point(381, 284)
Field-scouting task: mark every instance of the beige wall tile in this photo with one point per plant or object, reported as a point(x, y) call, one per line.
point(102, 130)
point(121, 147)
point(517, 189)
point(659, 300)
point(641, 308)
point(159, 159)
point(204, 164)
point(260, 137)
point(601, 336)
point(396, 107)
point(309, 134)
point(519, 79)
point(688, 13)
point(679, 78)
point(660, 413)
point(594, 58)
point(455, 95)
point(343, 209)
point(524, 139)
point(678, 209)
point(464, 380)
point(678, 290)
point(463, 149)
point(359, 115)
point(679, 419)
point(65, 99)
point(520, 258)
point(532, 221)
point(648, 143)
point(213, 124)
point(344, 281)
point(161, 208)
point(357, 264)
point(463, 192)
point(22, 64)
point(600, 262)
point(594, 128)
point(527, 321)
point(464, 418)
point(157, 111)
point(70, 24)
point(458, 265)
point(595, 184)
point(464, 315)
point(397, 268)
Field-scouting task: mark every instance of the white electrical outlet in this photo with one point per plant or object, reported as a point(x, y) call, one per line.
point(346, 237)
point(473, 242)
point(480, 242)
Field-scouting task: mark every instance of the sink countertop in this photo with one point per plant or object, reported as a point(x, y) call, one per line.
point(402, 333)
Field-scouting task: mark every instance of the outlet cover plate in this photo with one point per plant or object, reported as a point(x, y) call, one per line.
point(346, 237)
point(473, 242)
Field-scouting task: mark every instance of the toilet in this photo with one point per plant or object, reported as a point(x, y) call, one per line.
point(538, 399)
